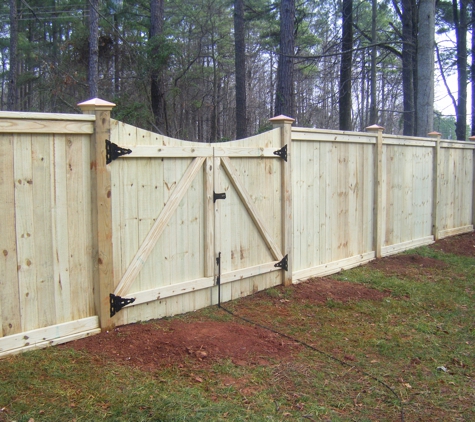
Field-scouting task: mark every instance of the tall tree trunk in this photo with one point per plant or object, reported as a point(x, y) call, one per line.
point(271, 84)
point(157, 88)
point(373, 112)
point(12, 100)
point(116, 57)
point(240, 66)
point(473, 71)
point(93, 75)
point(214, 110)
point(460, 20)
point(408, 65)
point(425, 68)
point(284, 95)
point(346, 66)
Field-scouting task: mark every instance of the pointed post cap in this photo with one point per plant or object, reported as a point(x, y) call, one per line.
point(281, 119)
point(374, 128)
point(434, 134)
point(96, 104)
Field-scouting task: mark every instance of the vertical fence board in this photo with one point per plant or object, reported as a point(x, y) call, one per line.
point(59, 202)
point(368, 199)
point(88, 246)
point(9, 299)
point(299, 206)
point(327, 215)
point(42, 220)
point(25, 235)
point(209, 247)
point(79, 217)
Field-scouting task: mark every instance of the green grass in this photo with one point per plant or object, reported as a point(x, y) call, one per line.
point(425, 324)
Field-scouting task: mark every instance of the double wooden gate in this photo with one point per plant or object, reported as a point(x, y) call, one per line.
point(178, 206)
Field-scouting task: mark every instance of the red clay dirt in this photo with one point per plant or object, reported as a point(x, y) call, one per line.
point(187, 341)
point(458, 245)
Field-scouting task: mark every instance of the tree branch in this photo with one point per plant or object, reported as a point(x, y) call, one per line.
point(442, 73)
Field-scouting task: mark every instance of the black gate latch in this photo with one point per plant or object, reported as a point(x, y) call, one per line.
point(217, 196)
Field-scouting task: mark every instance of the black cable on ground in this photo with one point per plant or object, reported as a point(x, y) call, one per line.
point(361, 371)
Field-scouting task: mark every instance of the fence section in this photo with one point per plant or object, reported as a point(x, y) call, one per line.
point(333, 200)
point(407, 193)
point(89, 240)
point(455, 188)
point(358, 196)
point(46, 236)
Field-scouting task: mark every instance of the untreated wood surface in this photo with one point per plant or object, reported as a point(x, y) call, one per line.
point(147, 226)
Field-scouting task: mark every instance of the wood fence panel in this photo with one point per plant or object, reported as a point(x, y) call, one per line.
point(408, 179)
point(46, 236)
point(333, 194)
point(456, 188)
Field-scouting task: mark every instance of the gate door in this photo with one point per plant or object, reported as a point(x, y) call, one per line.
point(248, 226)
point(177, 205)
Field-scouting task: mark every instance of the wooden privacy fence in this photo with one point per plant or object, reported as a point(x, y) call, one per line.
point(105, 224)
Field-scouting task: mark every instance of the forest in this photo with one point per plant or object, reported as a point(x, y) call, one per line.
point(217, 70)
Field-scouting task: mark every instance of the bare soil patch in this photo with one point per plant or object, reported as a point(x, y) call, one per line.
point(177, 342)
point(162, 343)
point(320, 290)
point(413, 266)
point(458, 245)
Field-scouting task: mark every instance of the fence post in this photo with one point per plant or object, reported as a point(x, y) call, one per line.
point(102, 208)
point(435, 184)
point(285, 123)
point(378, 190)
point(472, 139)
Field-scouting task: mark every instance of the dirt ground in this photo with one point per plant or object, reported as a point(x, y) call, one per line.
point(170, 342)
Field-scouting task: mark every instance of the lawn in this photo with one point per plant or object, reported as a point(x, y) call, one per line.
point(390, 341)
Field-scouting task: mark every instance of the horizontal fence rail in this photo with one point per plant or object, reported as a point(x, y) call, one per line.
point(106, 224)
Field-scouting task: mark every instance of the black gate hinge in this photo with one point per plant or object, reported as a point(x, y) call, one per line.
point(114, 151)
point(217, 196)
point(282, 153)
point(117, 303)
point(284, 264)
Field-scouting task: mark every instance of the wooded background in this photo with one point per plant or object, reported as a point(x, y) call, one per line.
point(214, 70)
